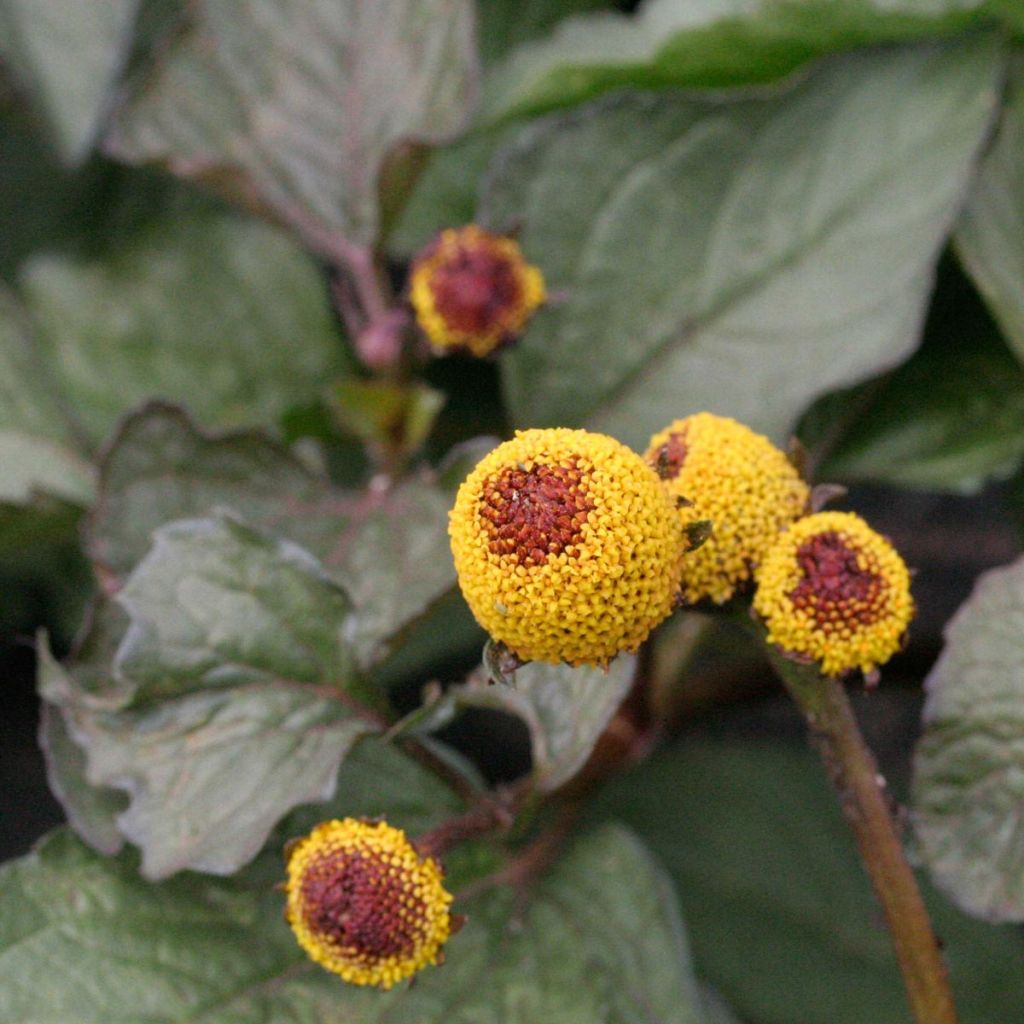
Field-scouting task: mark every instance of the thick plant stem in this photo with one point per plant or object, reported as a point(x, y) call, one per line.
point(854, 774)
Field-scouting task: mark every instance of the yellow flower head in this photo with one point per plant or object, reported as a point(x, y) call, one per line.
point(473, 290)
point(833, 590)
point(739, 481)
point(364, 904)
point(566, 545)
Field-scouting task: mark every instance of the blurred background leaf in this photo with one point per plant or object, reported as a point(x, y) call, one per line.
point(738, 257)
point(968, 798)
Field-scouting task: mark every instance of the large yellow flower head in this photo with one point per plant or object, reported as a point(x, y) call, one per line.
point(737, 479)
point(567, 546)
point(473, 291)
point(364, 904)
point(834, 591)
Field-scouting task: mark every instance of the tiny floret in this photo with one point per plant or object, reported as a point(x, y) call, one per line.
point(834, 591)
point(720, 471)
point(364, 904)
point(566, 546)
point(473, 290)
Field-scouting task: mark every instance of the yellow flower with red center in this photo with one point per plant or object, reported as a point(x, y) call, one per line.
point(566, 546)
point(364, 904)
point(724, 472)
point(834, 591)
point(473, 290)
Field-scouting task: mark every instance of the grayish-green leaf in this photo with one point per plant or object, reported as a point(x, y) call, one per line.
point(30, 464)
point(740, 257)
point(294, 106)
point(91, 810)
point(38, 448)
point(968, 792)
point(779, 909)
point(217, 604)
point(704, 43)
point(211, 773)
point(505, 24)
point(951, 418)
point(394, 562)
point(231, 696)
point(601, 941)
point(160, 467)
point(990, 236)
point(200, 298)
point(70, 56)
point(383, 546)
point(566, 710)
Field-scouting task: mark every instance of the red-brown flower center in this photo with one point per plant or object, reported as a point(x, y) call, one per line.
point(834, 587)
point(355, 901)
point(536, 513)
point(671, 455)
point(473, 286)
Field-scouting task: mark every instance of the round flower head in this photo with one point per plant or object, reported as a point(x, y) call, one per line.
point(473, 290)
point(364, 904)
point(566, 545)
point(722, 471)
point(834, 591)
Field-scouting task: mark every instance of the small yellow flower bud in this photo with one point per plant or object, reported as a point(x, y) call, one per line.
point(364, 904)
point(473, 290)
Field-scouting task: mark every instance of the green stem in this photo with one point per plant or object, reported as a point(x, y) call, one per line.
point(854, 773)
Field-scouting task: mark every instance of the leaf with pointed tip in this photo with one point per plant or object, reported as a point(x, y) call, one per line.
point(742, 257)
point(601, 940)
point(70, 57)
point(705, 43)
point(968, 794)
point(295, 106)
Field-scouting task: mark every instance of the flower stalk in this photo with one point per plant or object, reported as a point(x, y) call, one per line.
point(854, 773)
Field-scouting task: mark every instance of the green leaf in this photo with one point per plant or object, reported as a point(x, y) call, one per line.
point(231, 698)
point(70, 57)
point(198, 297)
point(990, 236)
point(160, 467)
point(704, 43)
point(505, 24)
point(968, 794)
point(741, 257)
point(951, 418)
point(395, 563)
point(295, 106)
point(382, 545)
point(217, 604)
point(39, 452)
point(566, 710)
point(600, 941)
point(780, 912)
point(91, 810)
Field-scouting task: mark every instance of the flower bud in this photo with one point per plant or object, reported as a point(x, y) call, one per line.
point(720, 470)
point(363, 904)
point(473, 290)
point(834, 591)
point(566, 545)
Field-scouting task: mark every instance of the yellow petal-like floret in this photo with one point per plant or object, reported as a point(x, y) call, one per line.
point(364, 904)
point(737, 479)
point(834, 591)
point(473, 291)
point(566, 545)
